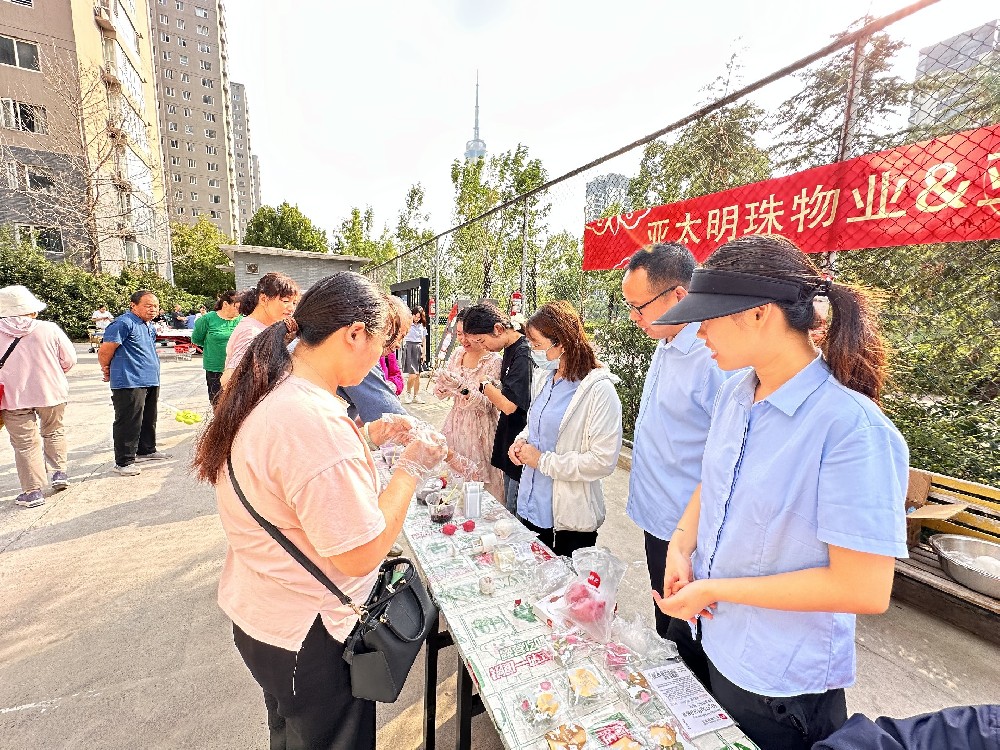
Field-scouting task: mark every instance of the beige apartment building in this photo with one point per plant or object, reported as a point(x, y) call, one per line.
point(245, 163)
point(197, 130)
point(81, 171)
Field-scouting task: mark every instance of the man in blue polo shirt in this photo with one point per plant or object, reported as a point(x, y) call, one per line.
point(128, 359)
point(676, 406)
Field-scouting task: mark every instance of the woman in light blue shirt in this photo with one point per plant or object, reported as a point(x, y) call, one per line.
point(799, 516)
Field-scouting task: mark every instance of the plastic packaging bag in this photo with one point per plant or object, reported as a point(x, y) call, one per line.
point(590, 600)
point(586, 685)
point(643, 640)
point(549, 576)
point(541, 703)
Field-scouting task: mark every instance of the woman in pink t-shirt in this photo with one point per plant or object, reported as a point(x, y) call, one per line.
point(273, 299)
point(303, 465)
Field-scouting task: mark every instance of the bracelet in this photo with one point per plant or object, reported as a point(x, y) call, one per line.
point(364, 431)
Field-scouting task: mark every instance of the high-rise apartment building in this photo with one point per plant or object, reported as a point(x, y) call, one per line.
point(196, 122)
point(255, 171)
point(604, 192)
point(245, 163)
point(81, 171)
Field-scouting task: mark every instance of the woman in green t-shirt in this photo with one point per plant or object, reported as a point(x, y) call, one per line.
point(211, 333)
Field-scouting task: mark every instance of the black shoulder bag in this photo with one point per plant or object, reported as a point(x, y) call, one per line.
point(392, 625)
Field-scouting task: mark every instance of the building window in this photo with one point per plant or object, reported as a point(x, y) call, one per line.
point(175, 177)
point(179, 5)
point(192, 163)
point(190, 148)
point(185, 95)
point(170, 91)
point(213, 166)
point(180, 210)
point(206, 48)
point(178, 195)
point(215, 214)
point(39, 181)
point(203, 30)
point(216, 199)
point(185, 78)
point(172, 127)
point(183, 59)
point(175, 143)
point(21, 116)
point(187, 111)
point(164, 19)
point(46, 239)
point(171, 109)
point(194, 196)
point(168, 73)
point(209, 133)
point(164, 36)
point(243, 192)
point(192, 179)
point(210, 117)
point(212, 150)
point(208, 99)
point(18, 53)
point(167, 54)
point(214, 182)
point(206, 65)
point(189, 129)
point(208, 83)
point(181, 24)
point(239, 146)
point(181, 42)
point(175, 161)
point(201, 12)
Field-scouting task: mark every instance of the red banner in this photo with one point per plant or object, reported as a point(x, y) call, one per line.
point(944, 190)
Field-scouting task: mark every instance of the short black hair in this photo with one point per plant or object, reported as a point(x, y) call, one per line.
point(139, 294)
point(483, 318)
point(665, 263)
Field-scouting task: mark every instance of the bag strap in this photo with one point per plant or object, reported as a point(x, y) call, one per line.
point(291, 549)
point(17, 340)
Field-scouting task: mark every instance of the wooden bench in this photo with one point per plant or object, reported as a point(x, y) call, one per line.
point(919, 579)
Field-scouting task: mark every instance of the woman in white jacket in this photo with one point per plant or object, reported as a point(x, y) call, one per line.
point(573, 437)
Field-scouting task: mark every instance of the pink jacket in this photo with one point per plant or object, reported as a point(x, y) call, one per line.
point(390, 368)
point(34, 375)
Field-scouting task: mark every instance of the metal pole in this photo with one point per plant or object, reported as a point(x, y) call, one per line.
point(437, 301)
point(524, 256)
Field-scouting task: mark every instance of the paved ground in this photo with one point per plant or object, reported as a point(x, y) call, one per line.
point(110, 636)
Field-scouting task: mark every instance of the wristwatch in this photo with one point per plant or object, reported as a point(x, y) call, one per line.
point(482, 386)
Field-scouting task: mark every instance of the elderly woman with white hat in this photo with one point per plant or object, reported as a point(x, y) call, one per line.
point(35, 356)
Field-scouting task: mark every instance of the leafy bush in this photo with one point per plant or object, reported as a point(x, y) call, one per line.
point(72, 293)
point(627, 351)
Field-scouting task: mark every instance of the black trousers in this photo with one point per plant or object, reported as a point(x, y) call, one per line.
point(134, 429)
point(563, 543)
point(214, 382)
point(308, 694)
point(793, 723)
point(656, 563)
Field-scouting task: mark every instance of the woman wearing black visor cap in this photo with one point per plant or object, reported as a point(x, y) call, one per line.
point(799, 515)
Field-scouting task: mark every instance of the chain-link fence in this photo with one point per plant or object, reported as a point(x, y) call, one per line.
point(914, 197)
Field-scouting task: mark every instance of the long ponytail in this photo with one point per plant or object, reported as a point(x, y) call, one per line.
point(852, 346)
point(332, 303)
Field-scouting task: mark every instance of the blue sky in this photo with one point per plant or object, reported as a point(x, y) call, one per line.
point(351, 102)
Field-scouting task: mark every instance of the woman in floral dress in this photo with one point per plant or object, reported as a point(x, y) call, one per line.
point(471, 424)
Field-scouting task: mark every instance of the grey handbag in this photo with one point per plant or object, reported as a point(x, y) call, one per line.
point(392, 625)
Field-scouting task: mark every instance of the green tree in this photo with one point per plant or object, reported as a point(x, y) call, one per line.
point(411, 231)
point(484, 259)
point(355, 237)
point(285, 226)
point(808, 124)
point(197, 258)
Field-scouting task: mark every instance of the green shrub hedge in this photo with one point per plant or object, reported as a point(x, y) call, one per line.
point(72, 293)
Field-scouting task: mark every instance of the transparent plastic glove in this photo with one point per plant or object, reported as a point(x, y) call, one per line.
point(448, 383)
point(424, 454)
point(464, 467)
point(393, 428)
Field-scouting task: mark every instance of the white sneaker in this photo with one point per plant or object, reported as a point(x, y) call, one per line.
point(407, 398)
point(127, 471)
point(418, 399)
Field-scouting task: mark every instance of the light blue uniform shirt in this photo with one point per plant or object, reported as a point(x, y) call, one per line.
point(135, 363)
point(813, 464)
point(674, 414)
point(534, 496)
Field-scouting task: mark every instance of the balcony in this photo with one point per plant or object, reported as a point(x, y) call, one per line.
point(103, 17)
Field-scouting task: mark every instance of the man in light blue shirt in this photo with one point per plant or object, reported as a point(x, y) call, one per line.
point(676, 406)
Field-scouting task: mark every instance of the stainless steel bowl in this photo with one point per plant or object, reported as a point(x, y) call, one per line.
point(947, 545)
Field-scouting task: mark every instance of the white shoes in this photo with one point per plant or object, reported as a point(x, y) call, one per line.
point(418, 399)
point(407, 398)
point(127, 471)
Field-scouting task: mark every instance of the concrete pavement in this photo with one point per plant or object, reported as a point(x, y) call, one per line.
point(110, 636)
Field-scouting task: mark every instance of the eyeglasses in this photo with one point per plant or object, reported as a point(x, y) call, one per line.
point(639, 308)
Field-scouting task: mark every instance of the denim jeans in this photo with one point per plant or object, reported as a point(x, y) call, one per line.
point(510, 487)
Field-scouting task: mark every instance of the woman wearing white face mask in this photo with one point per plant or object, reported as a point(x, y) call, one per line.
point(573, 437)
